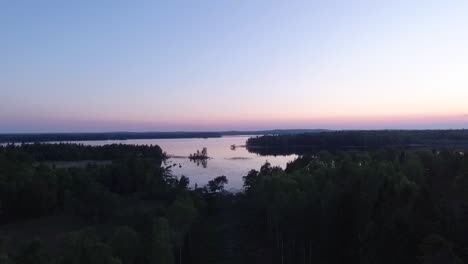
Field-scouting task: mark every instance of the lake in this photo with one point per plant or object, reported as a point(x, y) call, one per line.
point(232, 163)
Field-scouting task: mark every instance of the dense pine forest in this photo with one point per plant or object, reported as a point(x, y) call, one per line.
point(130, 210)
point(352, 139)
point(385, 204)
point(382, 206)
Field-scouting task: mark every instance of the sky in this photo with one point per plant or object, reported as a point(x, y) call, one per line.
point(110, 65)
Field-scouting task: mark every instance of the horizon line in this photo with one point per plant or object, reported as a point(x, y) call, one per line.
point(230, 131)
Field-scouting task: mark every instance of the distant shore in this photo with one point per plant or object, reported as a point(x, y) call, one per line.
point(48, 137)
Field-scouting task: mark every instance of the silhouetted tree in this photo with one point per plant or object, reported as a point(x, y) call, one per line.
point(217, 184)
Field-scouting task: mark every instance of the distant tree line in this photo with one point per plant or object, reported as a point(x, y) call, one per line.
point(46, 137)
point(302, 143)
point(75, 152)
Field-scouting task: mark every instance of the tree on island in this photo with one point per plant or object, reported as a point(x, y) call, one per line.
point(203, 154)
point(200, 157)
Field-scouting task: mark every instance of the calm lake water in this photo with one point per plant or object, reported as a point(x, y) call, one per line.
point(223, 160)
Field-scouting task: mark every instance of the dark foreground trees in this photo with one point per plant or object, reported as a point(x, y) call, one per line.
point(385, 206)
point(381, 206)
point(127, 210)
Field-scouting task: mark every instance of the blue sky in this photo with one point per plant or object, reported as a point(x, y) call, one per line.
point(214, 65)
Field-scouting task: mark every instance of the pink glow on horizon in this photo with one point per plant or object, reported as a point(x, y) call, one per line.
point(336, 122)
point(76, 123)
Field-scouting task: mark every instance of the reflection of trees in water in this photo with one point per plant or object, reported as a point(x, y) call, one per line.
point(200, 157)
point(297, 150)
point(202, 162)
point(279, 151)
point(312, 150)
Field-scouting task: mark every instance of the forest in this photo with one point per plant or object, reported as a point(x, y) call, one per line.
point(303, 143)
point(131, 210)
point(385, 204)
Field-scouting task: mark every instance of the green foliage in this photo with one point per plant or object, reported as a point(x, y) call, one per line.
point(435, 249)
point(32, 253)
point(181, 214)
point(84, 247)
point(5, 259)
point(217, 184)
point(362, 207)
point(161, 246)
point(250, 179)
point(387, 205)
point(94, 202)
point(29, 188)
point(4, 256)
point(126, 245)
point(303, 143)
point(72, 152)
point(106, 196)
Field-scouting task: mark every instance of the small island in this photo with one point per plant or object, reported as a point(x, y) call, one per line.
point(200, 157)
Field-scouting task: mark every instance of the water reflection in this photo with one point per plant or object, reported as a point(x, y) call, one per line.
point(202, 162)
point(283, 151)
point(234, 163)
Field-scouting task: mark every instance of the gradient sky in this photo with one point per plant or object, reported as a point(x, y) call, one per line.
point(108, 65)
